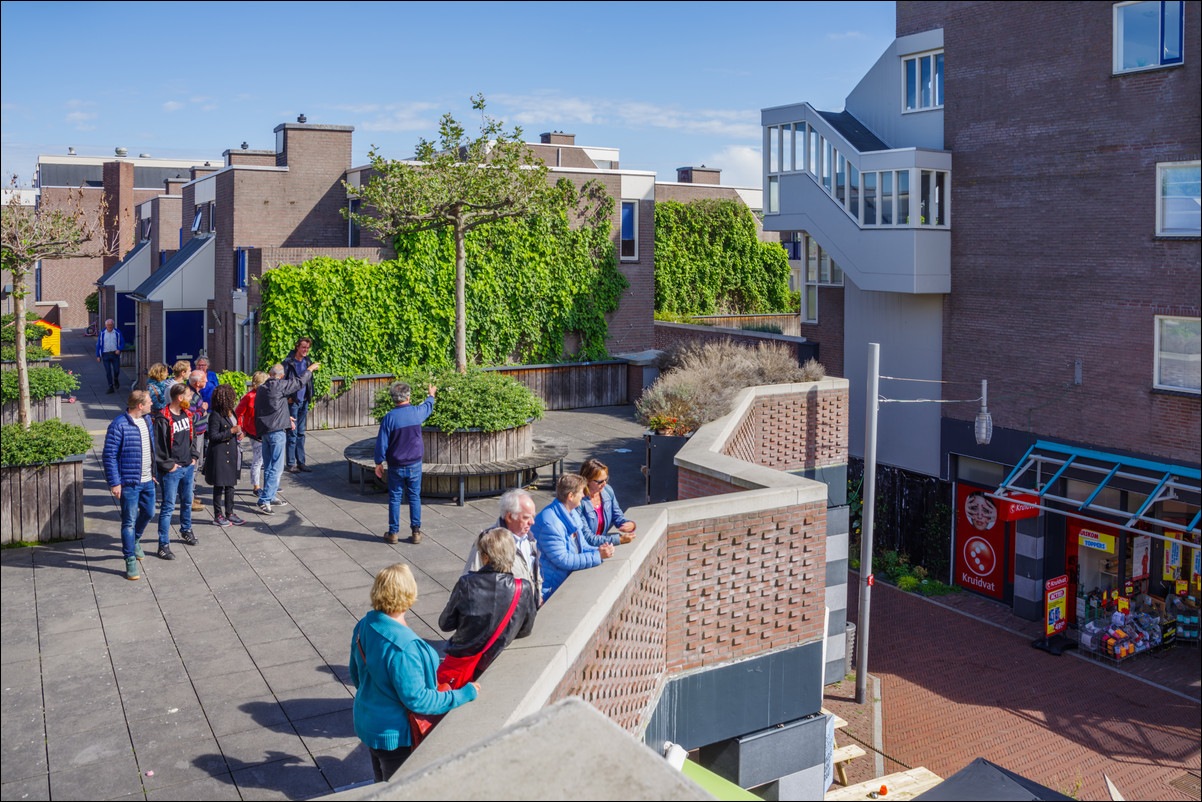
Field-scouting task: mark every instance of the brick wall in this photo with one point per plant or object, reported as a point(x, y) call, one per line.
point(828, 331)
point(70, 280)
point(793, 432)
point(119, 210)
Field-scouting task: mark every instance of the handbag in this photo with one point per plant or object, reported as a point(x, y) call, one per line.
point(420, 724)
point(457, 671)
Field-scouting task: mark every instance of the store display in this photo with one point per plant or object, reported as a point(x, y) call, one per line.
point(1122, 635)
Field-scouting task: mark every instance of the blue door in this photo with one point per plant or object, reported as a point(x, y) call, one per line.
point(127, 317)
point(184, 334)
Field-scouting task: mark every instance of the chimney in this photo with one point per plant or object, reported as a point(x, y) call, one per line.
point(557, 138)
point(118, 182)
point(173, 184)
point(699, 175)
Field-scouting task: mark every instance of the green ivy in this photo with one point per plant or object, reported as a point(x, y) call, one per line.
point(708, 260)
point(530, 282)
point(234, 379)
point(43, 383)
point(478, 399)
point(45, 442)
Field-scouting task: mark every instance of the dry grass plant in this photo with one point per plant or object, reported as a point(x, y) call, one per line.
point(698, 383)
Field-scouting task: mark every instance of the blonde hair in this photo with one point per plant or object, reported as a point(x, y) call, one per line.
point(256, 381)
point(394, 590)
point(569, 483)
point(183, 366)
point(497, 545)
point(158, 371)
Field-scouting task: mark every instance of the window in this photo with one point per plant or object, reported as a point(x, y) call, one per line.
point(630, 229)
point(773, 205)
point(1179, 199)
point(1178, 357)
point(240, 275)
point(197, 219)
point(820, 271)
point(37, 280)
point(1148, 35)
point(145, 226)
point(352, 228)
point(923, 76)
point(212, 217)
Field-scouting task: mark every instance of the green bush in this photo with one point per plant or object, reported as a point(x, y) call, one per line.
point(909, 583)
point(92, 303)
point(47, 441)
point(8, 352)
point(766, 328)
point(33, 333)
point(479, 399)
point(44, 381)
point(235, 379)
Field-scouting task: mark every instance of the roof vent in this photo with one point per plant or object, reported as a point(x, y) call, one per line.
point(70, 151)
point(208, 165)
point(121, 151)
point(143, 155)
point(302, 118)
point(244, 145)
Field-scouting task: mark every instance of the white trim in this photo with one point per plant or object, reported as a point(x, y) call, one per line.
point(1116, 67)
point(936, 83)
point(1156, 357)
point(1161, 232)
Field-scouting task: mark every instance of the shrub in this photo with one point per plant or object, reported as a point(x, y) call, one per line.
point(8, 352)
point(479, 399)
point(766, 328)
point(47, 441)
point(92, 303)
point(234, 379)
point(44, 381)
point(909, 583)
point(33, 331)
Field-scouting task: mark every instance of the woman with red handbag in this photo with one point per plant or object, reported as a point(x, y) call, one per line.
point(487, 609)
point(393, 671)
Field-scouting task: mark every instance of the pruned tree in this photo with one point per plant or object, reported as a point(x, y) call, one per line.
point(458, 183)
point(29, 234)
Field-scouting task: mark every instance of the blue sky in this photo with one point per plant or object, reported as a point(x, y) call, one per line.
point(670, 84)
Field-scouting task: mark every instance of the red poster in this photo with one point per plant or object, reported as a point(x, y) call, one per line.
point(1019, 505)
point(980, 542)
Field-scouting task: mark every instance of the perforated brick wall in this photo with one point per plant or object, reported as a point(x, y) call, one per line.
point(793, 432)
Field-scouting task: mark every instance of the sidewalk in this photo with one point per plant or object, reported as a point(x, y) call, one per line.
point(222, 674)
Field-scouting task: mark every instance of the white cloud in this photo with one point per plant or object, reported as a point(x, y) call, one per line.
point(172, 105)
point(741, 165)
point(847, 35)
point(548, 109)
point(395, 118)
point(82, 120)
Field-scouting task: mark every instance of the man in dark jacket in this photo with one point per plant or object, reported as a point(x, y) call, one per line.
point(129, 470)
point(176, 452)
point(296, 366)
point(479, 603)
point(399, 448)
point(271, 422)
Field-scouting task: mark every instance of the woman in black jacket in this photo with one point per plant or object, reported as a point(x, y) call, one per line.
point(479, 604)
point(223, 466)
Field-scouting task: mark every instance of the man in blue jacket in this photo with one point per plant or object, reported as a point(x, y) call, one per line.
point(129, 470)
point(399, 447)
point(109, 345)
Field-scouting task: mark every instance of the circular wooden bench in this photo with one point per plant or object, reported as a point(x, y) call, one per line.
point(361, 456)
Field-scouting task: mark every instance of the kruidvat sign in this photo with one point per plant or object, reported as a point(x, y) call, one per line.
point(980, 543)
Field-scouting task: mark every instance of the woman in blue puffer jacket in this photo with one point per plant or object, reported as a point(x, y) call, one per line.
point(599, 510)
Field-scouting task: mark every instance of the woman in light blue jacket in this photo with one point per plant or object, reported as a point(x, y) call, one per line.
point(394, 672)
point(562, 547)
point(599, 510)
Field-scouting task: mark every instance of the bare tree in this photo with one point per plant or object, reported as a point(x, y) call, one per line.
point(29, 234)
point(458, 182)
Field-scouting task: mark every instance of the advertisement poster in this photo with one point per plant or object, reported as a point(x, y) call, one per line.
point(1055, 605)
point(1141, 557)
point(980, 543)
point(1172, 560)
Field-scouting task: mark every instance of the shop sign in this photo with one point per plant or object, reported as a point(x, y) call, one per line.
point(1092, 539)
point(1018, 506)
point(980, 542)
point(1182, 587)
point(1124, 605)
point(1172, 561)
point(1055, 605)
point(1141, 557)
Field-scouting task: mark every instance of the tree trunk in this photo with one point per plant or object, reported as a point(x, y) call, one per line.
point(460, 298)
point(23, 402)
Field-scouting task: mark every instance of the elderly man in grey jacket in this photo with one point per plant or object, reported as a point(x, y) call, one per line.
point(517, 515)
point(271, 422)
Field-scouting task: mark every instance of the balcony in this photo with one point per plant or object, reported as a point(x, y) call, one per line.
point(883, 214)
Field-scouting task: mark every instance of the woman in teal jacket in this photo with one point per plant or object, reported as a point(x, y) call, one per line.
point(394, 671)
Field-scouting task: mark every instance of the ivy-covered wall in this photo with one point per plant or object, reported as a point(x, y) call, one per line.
point(530, 282)
point(709, 261)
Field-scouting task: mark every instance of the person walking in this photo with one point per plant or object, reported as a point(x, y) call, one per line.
point(296, 366)
point(109, 346)
point(271, 422)
point(176, 452)
point(223, 457)
point(399, 448)
point(245, 413)
point(129, 469)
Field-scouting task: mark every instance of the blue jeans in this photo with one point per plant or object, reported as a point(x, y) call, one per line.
point(296, 437)
point(177, 483)
point(112, 369)
point(137, 508)
point(402, 481)
point(273, 465)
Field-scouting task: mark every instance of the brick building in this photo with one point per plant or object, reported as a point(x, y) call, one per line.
point(961, 211)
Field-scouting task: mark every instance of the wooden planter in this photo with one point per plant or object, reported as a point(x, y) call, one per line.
point(46, 409)
point(33, 363)
point(41, 503)
point(473, 447)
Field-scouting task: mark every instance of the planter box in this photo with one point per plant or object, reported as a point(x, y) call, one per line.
point(42, 503)
point(474, 447)
point(46, 409)
point(33, 363)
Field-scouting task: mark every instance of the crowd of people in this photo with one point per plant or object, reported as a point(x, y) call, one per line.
point(185, 418)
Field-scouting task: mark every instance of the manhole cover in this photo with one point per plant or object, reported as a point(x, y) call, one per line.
point(1189, 784)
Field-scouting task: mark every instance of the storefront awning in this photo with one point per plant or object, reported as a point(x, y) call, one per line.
point(1036, 476)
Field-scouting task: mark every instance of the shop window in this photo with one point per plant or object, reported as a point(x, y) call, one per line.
point(923, 76)
point(1179, 199)
point(1148, 35)
point(1178, 357)
point(630, 229)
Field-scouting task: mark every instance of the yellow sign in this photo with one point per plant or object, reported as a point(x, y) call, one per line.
point(1182, 587)
point(1095, 540)
point(1124, 605)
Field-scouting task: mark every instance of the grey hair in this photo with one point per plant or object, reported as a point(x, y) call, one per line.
point(276, 371)
point(399, 391)
point(497, 544)
point(203, 358)
point(196, 375)
point(511, 501)
point(108, 321)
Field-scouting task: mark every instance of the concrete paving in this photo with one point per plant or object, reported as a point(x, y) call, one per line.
point(223, 674)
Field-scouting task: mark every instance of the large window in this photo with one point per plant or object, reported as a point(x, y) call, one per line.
point(1148, 35)
point(630, 231)
point(821, 271)
point(923, 76)
point(1178, 356)
point(1179, 199)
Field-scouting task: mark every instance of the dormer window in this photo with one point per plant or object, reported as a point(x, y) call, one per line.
point(922, 74)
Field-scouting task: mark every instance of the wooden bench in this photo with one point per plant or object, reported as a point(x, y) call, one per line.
point(843, 754)
point(362, 455)
point(901, 785)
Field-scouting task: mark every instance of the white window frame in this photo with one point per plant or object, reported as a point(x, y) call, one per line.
point(937, 90)
point(1156, 382)
point(772, 195)
point(809, 287)
point(1116, 45)
point(1161, 231)
point(635, 257)
point(212, 217)
point(196, 221)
